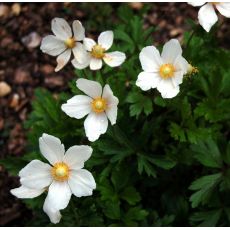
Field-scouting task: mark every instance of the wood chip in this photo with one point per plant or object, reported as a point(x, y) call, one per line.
point(5, 89)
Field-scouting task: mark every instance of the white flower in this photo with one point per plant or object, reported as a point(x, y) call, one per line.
point(99, 106)
point(64, 178)
point(97, 52)
point(207, 16)
point(163, 72)
point(64, 42)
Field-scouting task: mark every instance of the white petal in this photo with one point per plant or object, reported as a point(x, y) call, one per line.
point(167, 89)
point(76, 156)
point(95, 64)
point(79, 65)
point(105, 39)
point(112, 102)
point(62, 59)
point(150, 59)
point(78, 106)
point(51, 148)
point(91, 88)
point(78, 30)
point(61, 28)
point(171, 51)
point(59, 195)
point(89, 43)
point(197, 3)
point(224, 8)
point(36, 175)
point(95, 125)
point(177, 78)
point(207, 16)
point(80, 53)
point(54, 215)
point(52, 45)
point(82, 183)
point(24, 193)
point(181, 64)
point(114, 59)
point(147, 81)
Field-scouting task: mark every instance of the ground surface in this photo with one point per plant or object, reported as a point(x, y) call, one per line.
point(24, 67)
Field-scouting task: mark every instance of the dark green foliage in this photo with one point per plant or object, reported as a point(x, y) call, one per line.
point(165, 162)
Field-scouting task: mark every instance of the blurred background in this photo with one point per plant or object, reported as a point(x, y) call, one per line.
point(23, 67)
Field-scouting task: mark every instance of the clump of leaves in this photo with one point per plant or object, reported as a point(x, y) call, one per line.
point(165, 162)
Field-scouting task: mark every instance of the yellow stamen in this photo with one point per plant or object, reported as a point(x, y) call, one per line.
point(192, 70)
point(70, 43)
point(60, 171)
point(99, 105)
point(167, 71)
point(98, 52)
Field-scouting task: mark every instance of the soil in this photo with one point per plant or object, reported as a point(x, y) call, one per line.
point(24, 67)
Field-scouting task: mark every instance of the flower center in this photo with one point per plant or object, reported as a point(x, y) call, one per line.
point(98, 51)
point(167, 71)
point(99, 105)
point(60, 171)
point(70, 43)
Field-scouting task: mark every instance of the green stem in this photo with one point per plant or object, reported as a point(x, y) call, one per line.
point(125, 139)
point(189, 40)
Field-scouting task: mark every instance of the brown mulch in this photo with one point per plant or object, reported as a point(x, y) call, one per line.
point(24, 67)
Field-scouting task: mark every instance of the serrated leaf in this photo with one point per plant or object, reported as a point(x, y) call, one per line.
point(130, 195)
point(205, 186)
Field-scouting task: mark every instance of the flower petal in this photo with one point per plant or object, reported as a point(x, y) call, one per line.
point(62, 59)
point(181, 64)
point(54, 215)
point(207, 16)
point(95, 125)
point(200, 3)
point(79, 65)
point(52, 45)
point(105, 39)
point(80, 53)
point(112, 102)
point(177, 79)
point(78, 30)
point(82, 183)
point(23, 192)
point(167, 89)
point(61, 28)
point(150, 59)
point(95, 64)
point(36, 175)
point(59, 195)
point(78, 106)
point(224, 8)
point(91, 88)
point(114, 59)
point(51, 148)
point(76, 156)
point(89, 43)
point(147, 81)
point(171, 51)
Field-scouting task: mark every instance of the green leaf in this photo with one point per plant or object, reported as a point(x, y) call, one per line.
point(139, 103)
point(205, 186)
point(130, 195)
point(133, 215)
point(208, 154)
point(207, 219)
point(163, 162)
point(145, 166)
point(112, 210)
